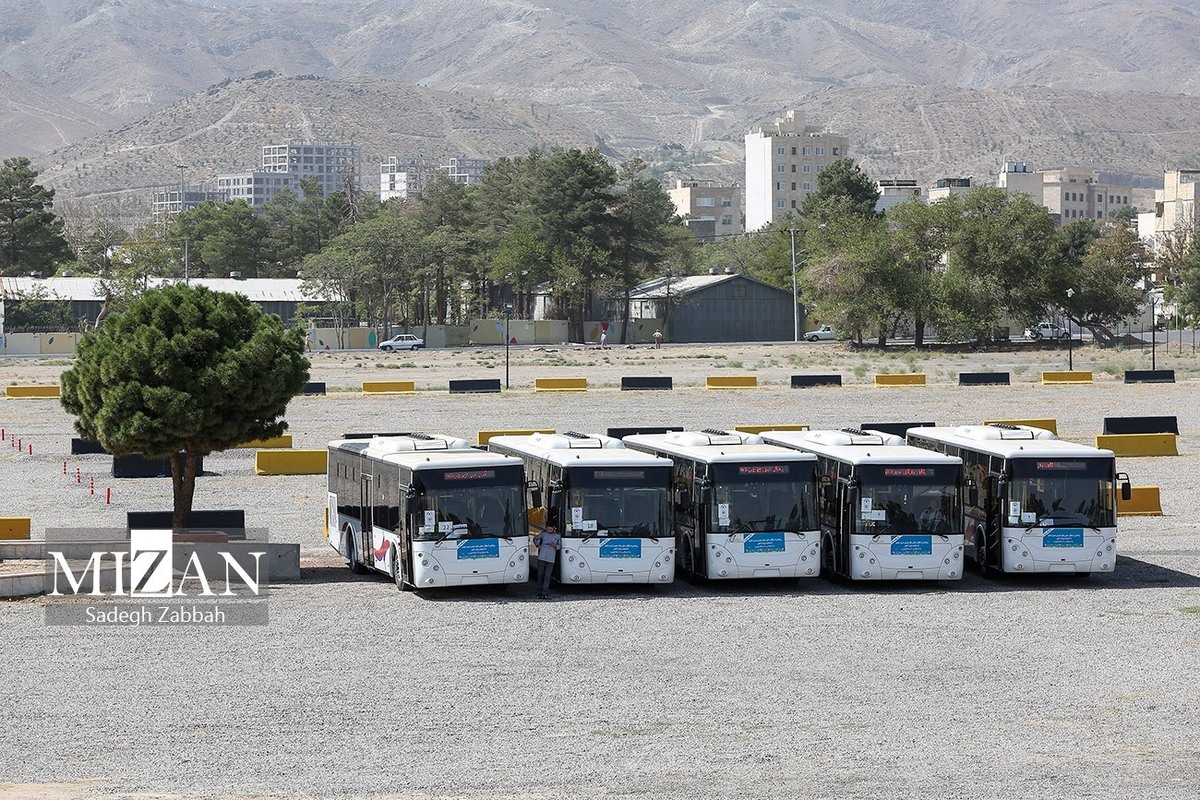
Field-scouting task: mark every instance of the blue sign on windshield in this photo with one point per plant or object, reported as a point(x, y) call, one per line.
point(764, 543)
point(621, 548)
point(1063, 537)
point(478, 548)
point(912, 546)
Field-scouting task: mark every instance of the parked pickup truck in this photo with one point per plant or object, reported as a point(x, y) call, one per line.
point(822, 333)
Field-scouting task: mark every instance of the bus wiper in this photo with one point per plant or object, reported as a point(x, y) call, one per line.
point(748, 525)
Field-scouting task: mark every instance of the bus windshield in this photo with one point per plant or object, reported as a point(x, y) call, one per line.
point(471, 504)
point(763, 497)
point(618, 501)
point(907, 499)
point(1073, 491)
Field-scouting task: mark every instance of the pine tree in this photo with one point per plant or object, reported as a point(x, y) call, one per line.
point(182, 372)
point(31, 237)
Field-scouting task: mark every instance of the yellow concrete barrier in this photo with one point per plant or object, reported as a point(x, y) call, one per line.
point(905, 379)
point(731, 382)
point(1139, 444)
point(14, 528)
point(1066, 376)
point(484, 436)
point(761, 428)
point(268, 444)
point(33, 392)
point(560, 385)
point(389, 387)
point(1144, 501)
point(290, 462)
point(1045, 424)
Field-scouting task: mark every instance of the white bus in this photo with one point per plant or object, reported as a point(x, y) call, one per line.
point(428, 510)
point(888, 511)
point(743, 508)
point(1034, 503)
point(612, 505)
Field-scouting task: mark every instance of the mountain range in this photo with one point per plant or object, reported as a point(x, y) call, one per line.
point(922, 87)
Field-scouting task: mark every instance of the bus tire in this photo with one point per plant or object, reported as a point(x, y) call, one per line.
point(981, 551)
point(688, 558)
point(828, 558)
point(352, 561)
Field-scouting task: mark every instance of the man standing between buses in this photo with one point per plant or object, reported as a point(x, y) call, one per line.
point(547, 543)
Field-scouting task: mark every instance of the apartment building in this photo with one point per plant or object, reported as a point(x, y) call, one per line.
point(944, 187)
point(1072, 194)
point(782, 164)
point(403, 177)
point(257, 187)
point(332, 164)
point(1068, 193)
point(1175, 206)
point(284, 166)
point(894, 191)
point(704, 201)
point(171, 200)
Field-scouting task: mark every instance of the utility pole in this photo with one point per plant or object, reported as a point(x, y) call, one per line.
point(186, 270)
point(795, 296)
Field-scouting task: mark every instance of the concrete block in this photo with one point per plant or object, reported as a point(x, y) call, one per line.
point(903, 379)
point(731, 382)
point(290, 462)
point(560, 385)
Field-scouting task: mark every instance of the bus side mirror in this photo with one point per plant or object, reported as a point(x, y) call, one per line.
point(703, 488)
point(556, 489)
point(972, 492)
point(1126, 489)
point(535, 494)
point(410, 501)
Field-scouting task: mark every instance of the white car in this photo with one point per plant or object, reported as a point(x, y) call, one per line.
point(402, 341)
point(1046, 330)
point(823, 333)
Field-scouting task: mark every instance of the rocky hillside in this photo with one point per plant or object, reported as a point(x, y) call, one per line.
point(1010, 75)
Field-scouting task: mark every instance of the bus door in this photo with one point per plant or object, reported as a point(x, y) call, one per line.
point(847, 514)
point(366, 514)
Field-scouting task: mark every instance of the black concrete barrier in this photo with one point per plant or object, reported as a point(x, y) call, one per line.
point(475, 386)
point(1149, 376)
point(136, 465)
point(895, 428)
point(314, 387)
point(1119, 425)
point(621, 433)
point(983, 379)
point(807, 381)
point(646, 383)
point(230, 521)
point(82, 447)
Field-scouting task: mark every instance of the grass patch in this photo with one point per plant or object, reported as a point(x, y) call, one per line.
point(1191, 610)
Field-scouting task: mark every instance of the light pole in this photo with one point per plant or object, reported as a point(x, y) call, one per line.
point(795, 301)
point(1153, 333)
point(186, 271)
point(1070, 336)
point(507, 317)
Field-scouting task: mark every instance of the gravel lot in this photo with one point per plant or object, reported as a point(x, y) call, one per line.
point(990, 688)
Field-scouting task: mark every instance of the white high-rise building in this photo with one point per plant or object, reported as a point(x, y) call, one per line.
point(782, 163)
